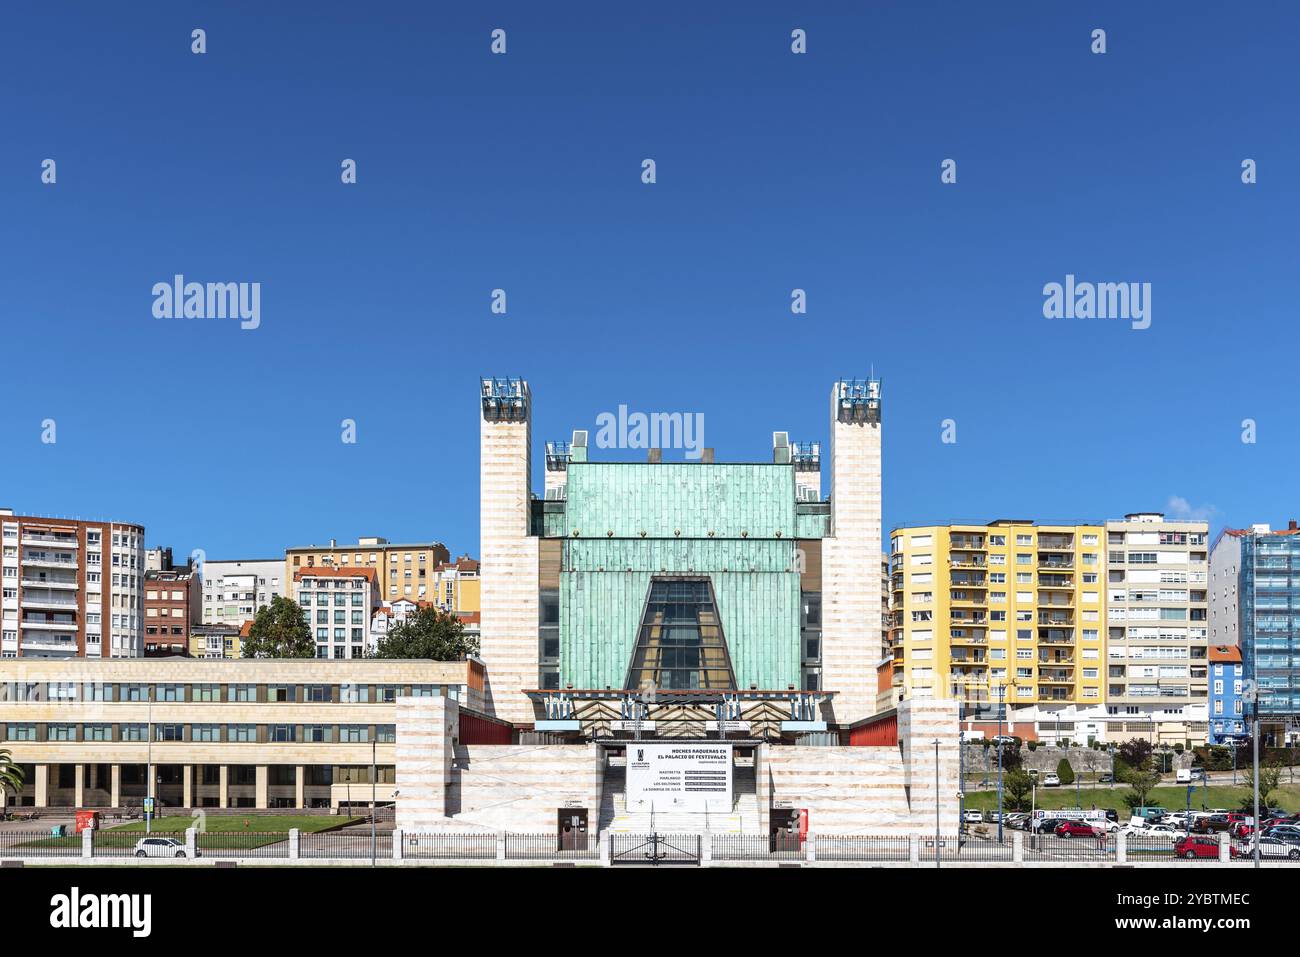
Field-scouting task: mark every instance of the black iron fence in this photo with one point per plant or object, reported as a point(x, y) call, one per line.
point(1055, 847)
point(966, 848)
point(353, 842)
point(757, 847)
point(242, 844)
point(449, 845)
point(43, 843)
point(534, 847)
point(862, 847)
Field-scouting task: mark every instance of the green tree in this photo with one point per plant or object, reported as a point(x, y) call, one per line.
point(1143, 782)
point(280, 630)
point(1270, 775)
point(11, 778)
point(430, 633)
point(1135, 752)
point(1065, 772)
point(1016, 786)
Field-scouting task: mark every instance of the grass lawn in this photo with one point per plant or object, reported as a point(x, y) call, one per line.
point(225, 831)
point(1173, 798)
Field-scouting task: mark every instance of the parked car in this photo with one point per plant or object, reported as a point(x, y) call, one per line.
point(1194, 847)
point(1274, 847)
point(1106, 779)
point(161, 847)
point(1005, 740)
point(1051, 780)
point(1211, 824)
point(1046, 825)
point(973, 817)
point(1075, 829)
point(1283, 832)
point(1153, 830)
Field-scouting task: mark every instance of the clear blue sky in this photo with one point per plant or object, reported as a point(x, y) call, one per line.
point(522, 171)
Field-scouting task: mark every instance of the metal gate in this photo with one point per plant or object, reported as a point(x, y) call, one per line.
point(655, 849)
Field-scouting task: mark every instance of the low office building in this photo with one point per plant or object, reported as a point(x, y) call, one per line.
point(252, 733)
point(71, 588)
point(234, 589)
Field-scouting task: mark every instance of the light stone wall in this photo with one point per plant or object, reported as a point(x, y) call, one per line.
point(509, 570)
point(873, 790)
point(521, 788)
point(851, 569)
point(427, 729)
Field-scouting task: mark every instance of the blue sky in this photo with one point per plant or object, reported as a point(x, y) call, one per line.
point(522, 172)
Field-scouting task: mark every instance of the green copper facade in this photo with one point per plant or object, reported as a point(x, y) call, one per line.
point(735, 524)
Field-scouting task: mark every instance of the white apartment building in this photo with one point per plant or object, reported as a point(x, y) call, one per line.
point(70, 588)
point(339, 604)
point(1157, 610)
point(233, 590)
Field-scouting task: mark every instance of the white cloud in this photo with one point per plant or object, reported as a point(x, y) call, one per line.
point(1179, 509)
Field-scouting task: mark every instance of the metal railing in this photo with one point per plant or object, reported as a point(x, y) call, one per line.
point(38, 844)
point(655, 848)
point(242, 843)
point(861, 847)
point(1053, 847)
point(535, 847)
point(448, 846)
point(352, 842)
point(756, 847)
point(967, 848)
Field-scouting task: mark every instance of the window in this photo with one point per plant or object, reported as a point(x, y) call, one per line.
point(680, 643)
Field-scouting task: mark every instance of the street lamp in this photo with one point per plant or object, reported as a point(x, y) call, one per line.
point(374, 743)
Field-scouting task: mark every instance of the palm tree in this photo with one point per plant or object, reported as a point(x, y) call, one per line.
point(11, 778)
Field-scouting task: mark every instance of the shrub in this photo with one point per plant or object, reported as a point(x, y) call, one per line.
point(1065, 772)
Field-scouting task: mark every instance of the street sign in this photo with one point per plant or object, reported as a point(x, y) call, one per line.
point(148, 805)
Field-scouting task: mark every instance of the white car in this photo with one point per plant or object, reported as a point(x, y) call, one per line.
point(973, 817)
point(1154, 830)
point(1051, 781)
point(160, 847)
point(1272, 847)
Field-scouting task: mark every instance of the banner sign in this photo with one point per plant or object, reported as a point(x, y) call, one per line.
point(679, 777)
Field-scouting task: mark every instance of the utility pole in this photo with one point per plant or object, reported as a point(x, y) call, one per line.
point(148, 785)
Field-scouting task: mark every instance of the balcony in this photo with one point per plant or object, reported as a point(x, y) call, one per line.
point(47, 601)
point(48, 643)
point(1058, 563)
point(1055, 678)
point(48, 561)
point(50, 583)
point(36, 623)
point(1056, 621)
point(57, 541)
point(968, 561)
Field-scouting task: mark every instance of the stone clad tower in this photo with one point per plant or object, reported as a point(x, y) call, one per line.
point(851, 587)
point(509, 563)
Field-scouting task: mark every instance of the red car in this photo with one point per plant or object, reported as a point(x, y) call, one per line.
point(1075, 829)
point(1201, 847)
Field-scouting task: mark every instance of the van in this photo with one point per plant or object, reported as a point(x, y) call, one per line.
point(1183, 776)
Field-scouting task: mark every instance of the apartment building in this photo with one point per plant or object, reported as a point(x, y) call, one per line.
point(1009, 611)
point(1255, 577)
point(1092, 632)
point(70, 588)
point(1157, 616)
point(234, 589)
point(253, 733)
point(171, 610)
point(216, 641)
point(456, 586)
point(1227, 706)
point(403, 571)
point(339, 603)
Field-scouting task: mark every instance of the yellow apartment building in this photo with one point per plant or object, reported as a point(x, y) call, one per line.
point(1009, 608)
point(404, 571)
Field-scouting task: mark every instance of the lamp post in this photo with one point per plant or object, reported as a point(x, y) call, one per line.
point(937, 840)
point(374, 743)
point(148, 784)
